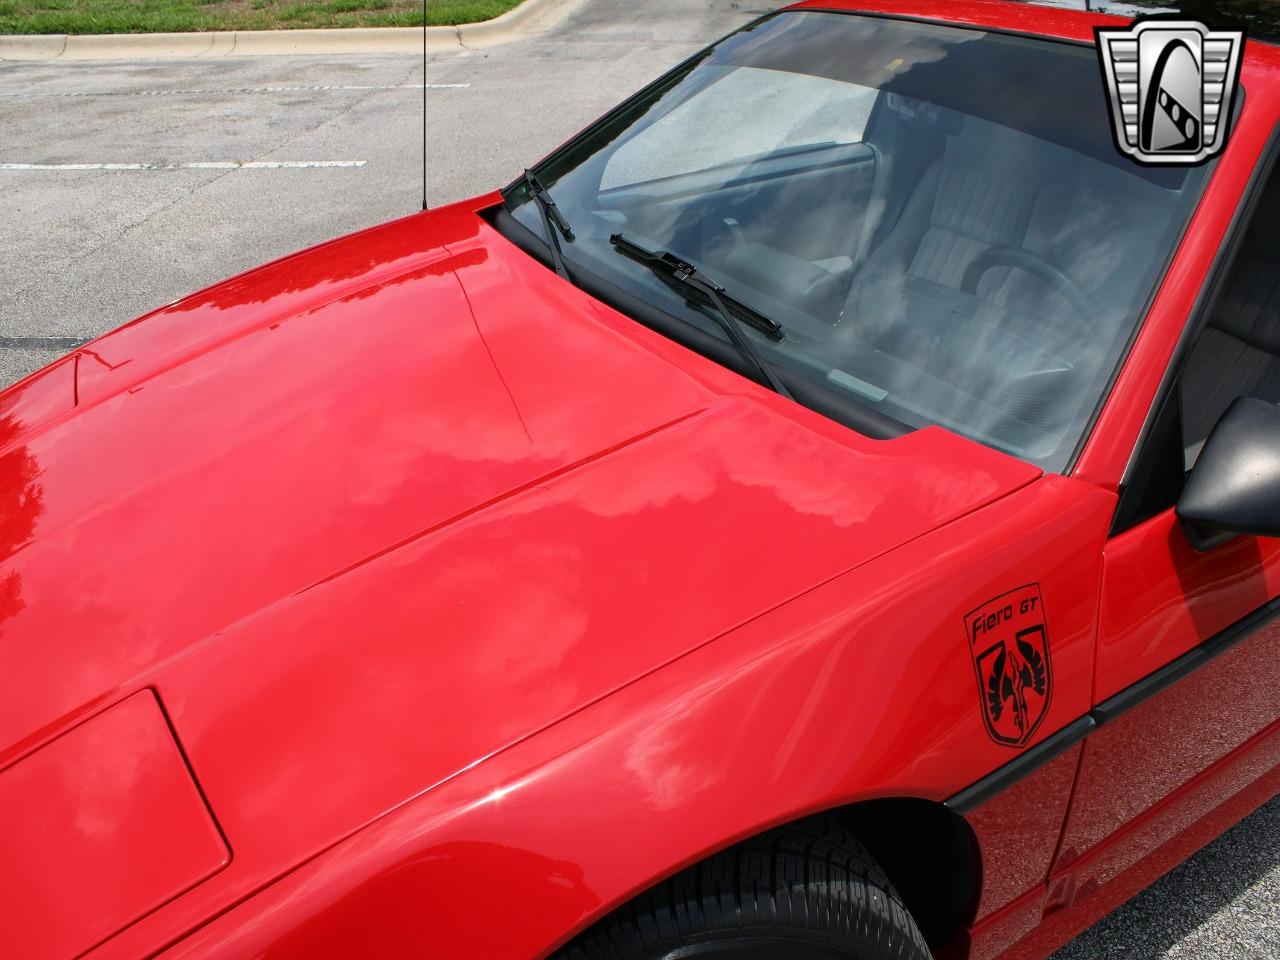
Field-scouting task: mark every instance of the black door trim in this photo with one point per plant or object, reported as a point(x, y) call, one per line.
point(1115, 706)
point(1025, 763)
point(1192, 660)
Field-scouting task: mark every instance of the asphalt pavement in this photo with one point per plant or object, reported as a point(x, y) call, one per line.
point(87, 249)
point(224, 163)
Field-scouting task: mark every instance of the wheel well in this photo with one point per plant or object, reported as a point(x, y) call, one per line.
point(930, 855)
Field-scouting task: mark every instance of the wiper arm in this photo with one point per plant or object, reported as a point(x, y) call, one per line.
point(550, 215)
point(727, 311)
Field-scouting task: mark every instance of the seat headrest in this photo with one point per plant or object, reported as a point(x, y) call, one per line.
point(1264, 230)
point(1001, 152)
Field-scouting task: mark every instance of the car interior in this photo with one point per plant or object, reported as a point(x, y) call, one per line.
point(981, 276)
point(1237, 354)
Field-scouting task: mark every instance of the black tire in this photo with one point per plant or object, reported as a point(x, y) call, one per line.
point(806, 891)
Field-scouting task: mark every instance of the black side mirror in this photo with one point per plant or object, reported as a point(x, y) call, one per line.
point(1235, 485)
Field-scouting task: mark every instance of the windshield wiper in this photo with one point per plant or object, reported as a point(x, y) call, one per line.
point(726, 310)
point(550, 215)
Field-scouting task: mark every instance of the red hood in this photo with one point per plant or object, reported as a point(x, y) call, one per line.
point(373, 512)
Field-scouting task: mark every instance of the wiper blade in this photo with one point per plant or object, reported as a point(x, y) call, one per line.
point(726, 310)
point(670, 265)
point(550, 215)
point(543, 198)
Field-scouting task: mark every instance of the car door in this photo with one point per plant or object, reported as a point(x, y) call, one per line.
point(1188, 639)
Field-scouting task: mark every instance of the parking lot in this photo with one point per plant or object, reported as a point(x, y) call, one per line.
point(126, 184)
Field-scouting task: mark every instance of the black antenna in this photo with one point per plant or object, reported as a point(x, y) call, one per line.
point(424, 104)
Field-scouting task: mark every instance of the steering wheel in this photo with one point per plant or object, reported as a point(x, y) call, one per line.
point(1035, 265)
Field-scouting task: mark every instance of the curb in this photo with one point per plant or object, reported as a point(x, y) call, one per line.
point(529, 19)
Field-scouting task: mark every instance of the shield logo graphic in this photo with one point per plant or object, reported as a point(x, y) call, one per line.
point(1010, 647)
point(1171, 86)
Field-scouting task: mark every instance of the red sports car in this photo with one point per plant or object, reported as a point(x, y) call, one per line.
point(825, 509)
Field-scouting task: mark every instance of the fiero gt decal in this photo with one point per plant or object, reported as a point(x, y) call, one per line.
point(1010, 647)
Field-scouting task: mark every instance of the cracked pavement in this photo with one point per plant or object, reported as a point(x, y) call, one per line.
point(84, 251)
point(87, 250)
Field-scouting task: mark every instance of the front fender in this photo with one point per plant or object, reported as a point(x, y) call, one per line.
point(863, 687)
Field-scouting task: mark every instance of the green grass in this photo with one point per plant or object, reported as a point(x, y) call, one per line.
point(178, 16)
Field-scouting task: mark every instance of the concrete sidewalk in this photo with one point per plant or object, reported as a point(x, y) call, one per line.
point(528, 20)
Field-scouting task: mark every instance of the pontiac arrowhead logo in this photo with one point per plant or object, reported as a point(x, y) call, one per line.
point(1010, 648)
point(1171, 85)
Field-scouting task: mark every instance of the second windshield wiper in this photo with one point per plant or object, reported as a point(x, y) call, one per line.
point(726, 310)
point(550, 215)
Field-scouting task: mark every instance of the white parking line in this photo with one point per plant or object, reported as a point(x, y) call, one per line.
point(42, 343)
point(195, 92)
point(199, 165)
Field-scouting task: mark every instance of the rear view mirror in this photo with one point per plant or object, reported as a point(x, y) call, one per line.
point(1234, 486)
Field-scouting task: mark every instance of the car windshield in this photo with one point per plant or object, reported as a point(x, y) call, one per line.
point(936, 218)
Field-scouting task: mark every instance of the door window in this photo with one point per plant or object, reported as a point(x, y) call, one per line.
point(1236, 354)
